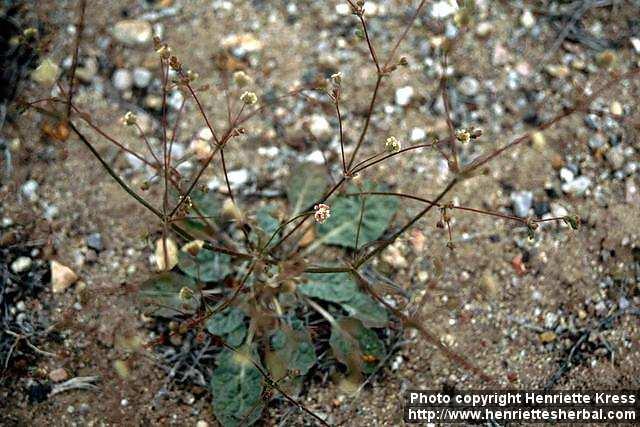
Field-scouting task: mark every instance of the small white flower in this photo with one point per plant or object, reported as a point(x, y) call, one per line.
point(322, 213)
point(249, 98)
point(336, 78)
point(463, 135)
point(392, 145)
point(130, 119)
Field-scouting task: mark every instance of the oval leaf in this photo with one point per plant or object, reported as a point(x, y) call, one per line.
point(207, 266)
point(333, 287)
point(341, 228)
point(236, 386)
point(229, 324)
point(306, 186)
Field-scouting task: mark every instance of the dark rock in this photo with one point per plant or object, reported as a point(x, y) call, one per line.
point(541, 208)
point(94, 241)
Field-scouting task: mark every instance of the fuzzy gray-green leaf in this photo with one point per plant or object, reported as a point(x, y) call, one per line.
point(230, 325)
point(366, 309)
point(306, 186)
point(207, 266)
point(333, 287)
point(341, 228)
point(236, 386)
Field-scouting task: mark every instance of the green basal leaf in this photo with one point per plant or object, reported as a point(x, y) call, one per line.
point(205, 204)
point(161, 293)
point(295, 348)
point(266, 219)
point(236, 386)
point(333, 287)
point(366, 309)
point(307, 185)
point(236, 337)
point(207, 266)
point(267, 223)
point(230, 325)
point(356, 346)
point(341, 228)
point(341, 288)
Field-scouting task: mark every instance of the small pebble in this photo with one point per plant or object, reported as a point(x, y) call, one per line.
point(61, 277)
point(122, 79)
point(238, 178)
point(547, 337)
point(444, 9)
point(47, 73)
point(469, 86)
point(418, 134)
point(522, 201)
point(319, 126)
point(29, 190)
point(404, 95)
point(58, 375)
point(616, 108)
point(21, 265)
point(141, 77)
point(527, 19)
point(132, 32)
point(94, 241)
point(484, 29)
point(578, 186)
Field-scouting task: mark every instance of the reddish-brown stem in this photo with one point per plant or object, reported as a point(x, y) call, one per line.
point(372, 50)
point(408, 225)
point(344, 163)
point(76, 51)
point(404, 33)
point(483, 159)
point(299, 224)
point(174, 133)
point(366, 121)
point(226, 176)
point(147, 143)
point(360, 167)
point(202, 112)
point(447, 111)
point(439, 205)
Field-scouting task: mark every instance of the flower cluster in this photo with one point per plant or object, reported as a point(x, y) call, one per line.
point(130, 119)
point(241, 78)
point(463, 135)
point(322, 213)
point(466, 135)
point(249, 98)
point(392, 145)
point(162, 49)
point(336, 78)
